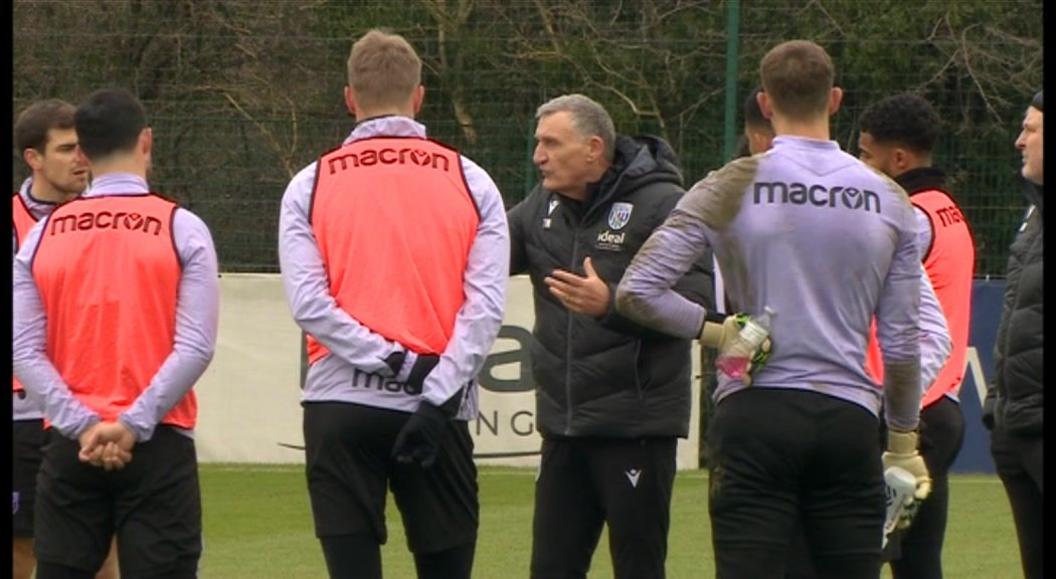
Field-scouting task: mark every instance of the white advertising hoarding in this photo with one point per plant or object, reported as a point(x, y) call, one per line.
point(249, 398)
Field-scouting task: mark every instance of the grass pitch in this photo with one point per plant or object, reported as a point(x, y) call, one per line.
point(258, 525)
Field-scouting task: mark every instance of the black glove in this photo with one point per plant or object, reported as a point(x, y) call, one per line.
point(421, 436)
point(419, 439)
point(423, 365)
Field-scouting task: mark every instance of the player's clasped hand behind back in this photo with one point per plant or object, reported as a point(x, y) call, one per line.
point(420, 438)
point(743, 343)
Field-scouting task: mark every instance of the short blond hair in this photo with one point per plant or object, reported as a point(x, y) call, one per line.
point(383, 69)
point(797, 77)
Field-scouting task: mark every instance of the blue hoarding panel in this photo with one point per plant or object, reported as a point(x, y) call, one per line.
point(986, 314)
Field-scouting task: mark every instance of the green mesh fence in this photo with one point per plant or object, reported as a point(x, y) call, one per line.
point(242, 95)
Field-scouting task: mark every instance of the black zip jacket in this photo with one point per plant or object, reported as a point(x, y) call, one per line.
point(1014, 400)
point(606, 377)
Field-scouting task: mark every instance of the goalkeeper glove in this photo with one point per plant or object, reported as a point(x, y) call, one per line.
point(721, 335)
point(899, 486)
point(902, 452)
point(717, 334)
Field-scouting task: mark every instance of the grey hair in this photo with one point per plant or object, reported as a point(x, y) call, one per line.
point(588, 117)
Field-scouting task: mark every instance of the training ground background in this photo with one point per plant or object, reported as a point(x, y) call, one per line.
point(249, 398)
point(257, 520)
point(258, 525)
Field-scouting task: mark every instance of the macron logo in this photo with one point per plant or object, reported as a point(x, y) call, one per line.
point(816, 195)
point(105, 220)
point(633, 476)
point(388, 156)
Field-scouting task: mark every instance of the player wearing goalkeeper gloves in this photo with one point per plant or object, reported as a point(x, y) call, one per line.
point(394, 253)
point(935, 341)
point(826, 242)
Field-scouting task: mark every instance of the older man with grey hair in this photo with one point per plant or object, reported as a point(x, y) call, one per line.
point(612, 397)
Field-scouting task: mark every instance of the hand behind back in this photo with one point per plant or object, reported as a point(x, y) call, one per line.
point(107, 445)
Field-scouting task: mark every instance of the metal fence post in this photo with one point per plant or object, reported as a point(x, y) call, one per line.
point(733, 24)
point(707, 373)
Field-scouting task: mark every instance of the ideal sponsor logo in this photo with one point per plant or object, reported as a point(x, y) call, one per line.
point(105, 220)
point(611, 241)
point(388, 156)
point(816, 195)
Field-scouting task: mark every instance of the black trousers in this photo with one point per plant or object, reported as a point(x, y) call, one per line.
point(917, 553)
point(792, 463)
point(1020, 464)
point(349, 467)
point(585, 483)
point(153, 506)
point(27, 452)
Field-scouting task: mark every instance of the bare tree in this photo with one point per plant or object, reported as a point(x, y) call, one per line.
point(451, 18)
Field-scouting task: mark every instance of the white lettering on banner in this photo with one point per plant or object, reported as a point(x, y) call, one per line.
point(519, 423)
point(249, 400)
point(975, 366)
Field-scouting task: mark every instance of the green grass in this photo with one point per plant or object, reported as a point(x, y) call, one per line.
point(258, 525)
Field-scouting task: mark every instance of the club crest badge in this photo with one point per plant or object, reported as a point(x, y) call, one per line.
point(549, 210)
point(620, 215)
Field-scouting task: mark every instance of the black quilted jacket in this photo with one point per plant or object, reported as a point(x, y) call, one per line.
point(606, 377)
point(1014, 399)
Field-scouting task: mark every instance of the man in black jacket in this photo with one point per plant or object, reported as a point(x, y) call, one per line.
point(612, 397)
point(1013, 407)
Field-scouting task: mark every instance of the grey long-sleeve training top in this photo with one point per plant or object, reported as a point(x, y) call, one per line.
point(197, 318)
point(823, 240)
point(357, 355)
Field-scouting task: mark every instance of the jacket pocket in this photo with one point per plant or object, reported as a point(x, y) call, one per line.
point(609, 373)
point(1024, 416)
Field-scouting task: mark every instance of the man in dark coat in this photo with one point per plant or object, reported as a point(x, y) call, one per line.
point(1013, 409)
point(612, 397)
